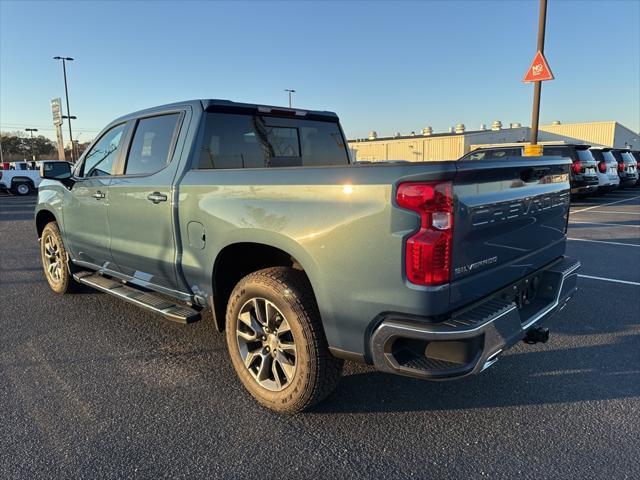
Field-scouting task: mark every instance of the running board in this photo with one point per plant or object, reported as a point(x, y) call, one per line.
point(150, 301)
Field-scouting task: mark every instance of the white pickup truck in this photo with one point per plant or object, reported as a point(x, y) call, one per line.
point(20, 178)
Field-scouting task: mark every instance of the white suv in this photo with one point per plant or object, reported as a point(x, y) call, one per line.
point(607, 169)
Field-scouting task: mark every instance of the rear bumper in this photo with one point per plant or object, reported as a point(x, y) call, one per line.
point(473, 338)
point(628, 179)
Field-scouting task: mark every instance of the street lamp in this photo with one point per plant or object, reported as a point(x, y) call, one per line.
point(290, 92)
point(66, 92)
point(33, 150)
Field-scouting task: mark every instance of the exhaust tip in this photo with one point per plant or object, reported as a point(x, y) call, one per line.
point(536, 335)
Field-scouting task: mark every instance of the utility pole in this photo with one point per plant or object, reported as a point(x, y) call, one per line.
point(290, 92)
point(66, 92)
point(33, 150)
point(537, 89)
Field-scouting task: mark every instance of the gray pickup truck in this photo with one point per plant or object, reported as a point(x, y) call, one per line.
point(257, 215)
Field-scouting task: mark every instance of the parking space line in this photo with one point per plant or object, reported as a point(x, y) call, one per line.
point(614, 280)
point(616, 212)
point(606, 224)
point(603, 241)
point(605, 204)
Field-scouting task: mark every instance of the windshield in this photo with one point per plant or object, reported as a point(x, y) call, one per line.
point(628, 158)
point(259, 141)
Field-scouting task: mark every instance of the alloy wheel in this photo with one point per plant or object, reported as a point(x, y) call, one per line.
point(266, 344)
point(53, 259)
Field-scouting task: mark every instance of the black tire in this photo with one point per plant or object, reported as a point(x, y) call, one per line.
point(22, 188)
point(62, 281)
point(316, 372)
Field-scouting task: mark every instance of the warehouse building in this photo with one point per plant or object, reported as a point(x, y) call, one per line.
point(452, 145)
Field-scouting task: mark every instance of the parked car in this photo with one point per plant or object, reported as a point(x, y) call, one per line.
point(19, 180)
point(627, 167)
point(608, 178)
point(636, 155)
point(583, 176)
point(430, 270)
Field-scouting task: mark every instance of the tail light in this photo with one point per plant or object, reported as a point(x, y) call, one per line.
point(602, 166)
point(428, 251)
point(621, 166)
point(577, 167)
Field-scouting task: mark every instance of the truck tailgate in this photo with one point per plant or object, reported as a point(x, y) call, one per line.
point(510, 220)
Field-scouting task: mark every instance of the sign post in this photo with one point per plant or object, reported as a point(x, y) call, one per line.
point(538, 72)
point(56, 110)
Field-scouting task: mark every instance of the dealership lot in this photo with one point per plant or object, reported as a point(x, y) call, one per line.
point(93, 387)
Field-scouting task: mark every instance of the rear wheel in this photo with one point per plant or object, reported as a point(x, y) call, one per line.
point(55, 261)
point(276, 342)
point(22, 188)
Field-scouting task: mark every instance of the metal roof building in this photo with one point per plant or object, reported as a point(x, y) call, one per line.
point(455, 143)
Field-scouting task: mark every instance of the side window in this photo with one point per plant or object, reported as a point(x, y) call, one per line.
point(507, 152)
point(262, 141)
point(100, 158)
point(149, 151)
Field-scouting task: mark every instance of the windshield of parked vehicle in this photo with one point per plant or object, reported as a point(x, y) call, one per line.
point(628, 158)
point(259, 141)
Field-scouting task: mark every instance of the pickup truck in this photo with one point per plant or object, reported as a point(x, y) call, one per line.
point(19, 178)
point(255, 216)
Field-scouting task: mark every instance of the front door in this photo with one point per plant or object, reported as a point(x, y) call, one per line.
point(86, 227)
point(140, 207)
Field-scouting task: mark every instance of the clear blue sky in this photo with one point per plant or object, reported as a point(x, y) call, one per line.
point(385, 66)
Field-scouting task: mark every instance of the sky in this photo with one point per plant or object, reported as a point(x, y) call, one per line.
point(383, 66)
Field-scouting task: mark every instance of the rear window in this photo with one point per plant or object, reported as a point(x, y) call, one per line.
point(597, 155)
point(628, 158)
point(559, 152)
point(608, 156)
point(585, 155)
point(260, 141)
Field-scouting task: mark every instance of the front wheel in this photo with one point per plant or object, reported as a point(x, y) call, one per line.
point(55, 261)
point(276, 342)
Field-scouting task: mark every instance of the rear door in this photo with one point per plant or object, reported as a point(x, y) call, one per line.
point(85, 214)
point(140, 208)
point(510, 219)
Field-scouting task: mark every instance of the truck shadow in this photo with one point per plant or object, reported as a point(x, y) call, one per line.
point(602, 372)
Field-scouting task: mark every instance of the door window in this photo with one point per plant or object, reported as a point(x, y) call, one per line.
point(99, 161)
point(151, 143)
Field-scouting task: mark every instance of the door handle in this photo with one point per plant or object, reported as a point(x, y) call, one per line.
point(98, 195)
point(157, 197)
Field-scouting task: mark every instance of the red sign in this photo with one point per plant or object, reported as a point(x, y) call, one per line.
point(539, 70)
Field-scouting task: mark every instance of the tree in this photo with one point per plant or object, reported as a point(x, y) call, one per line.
point(18, 144)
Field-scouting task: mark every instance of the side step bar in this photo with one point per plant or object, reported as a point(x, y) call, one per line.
point(150, 301)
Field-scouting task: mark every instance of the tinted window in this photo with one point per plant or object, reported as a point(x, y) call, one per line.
point(152, 139)
point(99, 160)
point(559, 152)
point(585, 155)
point(507, 152)
point(597, 155)
point(256, 141)
point(608, 156)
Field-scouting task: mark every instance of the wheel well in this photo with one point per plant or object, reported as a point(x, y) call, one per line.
point(235, 262)
point(42, 218)
point(21, 180)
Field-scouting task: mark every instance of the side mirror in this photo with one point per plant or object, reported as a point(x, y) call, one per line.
point(56, 170)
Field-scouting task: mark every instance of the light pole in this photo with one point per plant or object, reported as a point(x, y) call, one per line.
point(290, 92)
point(537, 89)
point(66, 92)
point(33, 151)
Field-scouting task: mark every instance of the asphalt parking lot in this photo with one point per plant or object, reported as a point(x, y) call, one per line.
point(91, 387)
